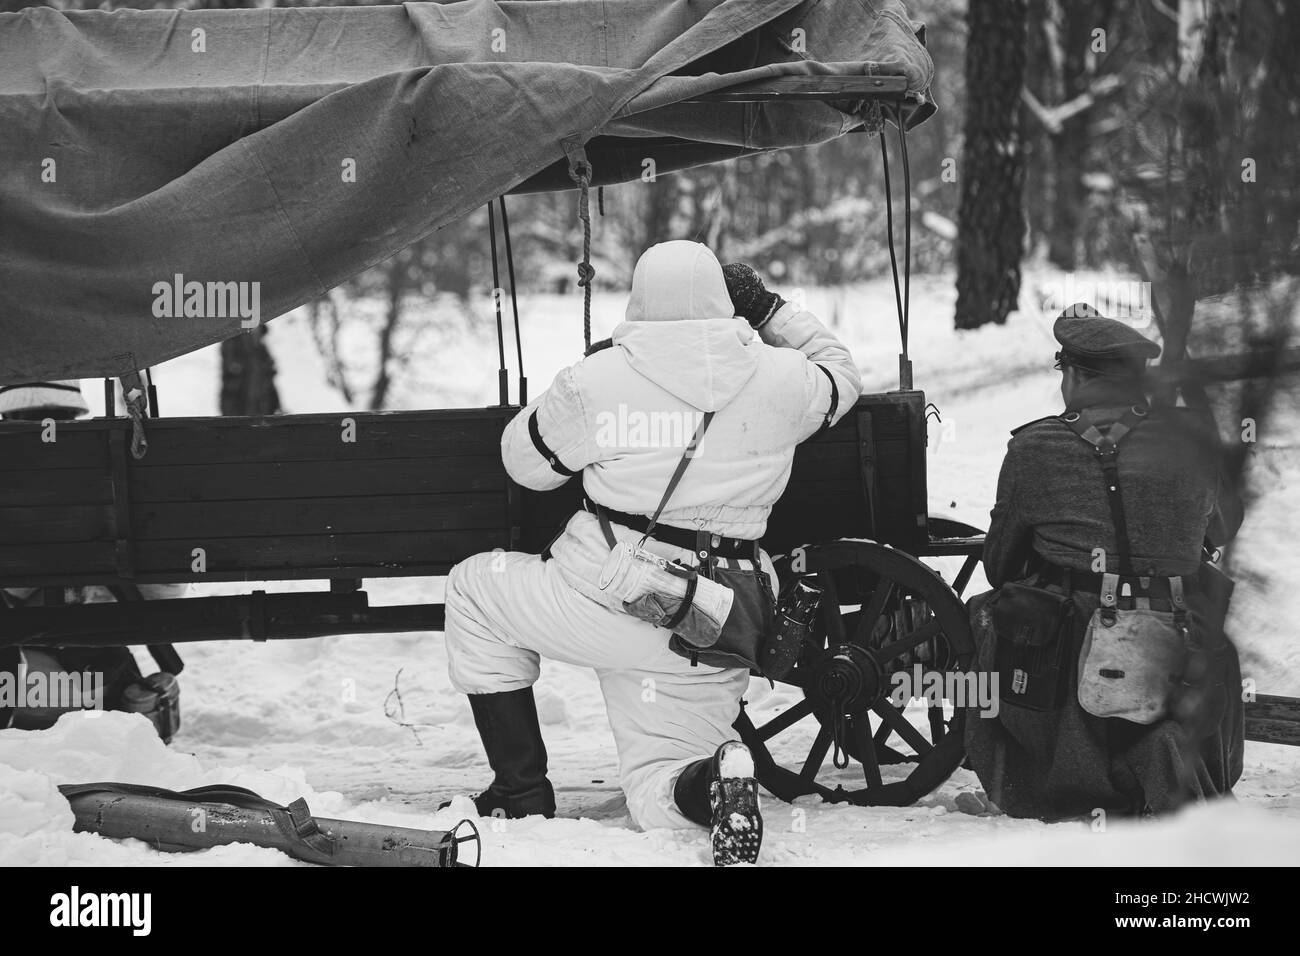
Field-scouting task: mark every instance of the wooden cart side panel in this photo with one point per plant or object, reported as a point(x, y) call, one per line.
point(372, 480)
point(55, 488)
point(36, 524)
point(319, 437)
point(394, 493)
point(255, 499)
point(253, 558)
point(863, 478)
point(901, 498)
point(27, 446)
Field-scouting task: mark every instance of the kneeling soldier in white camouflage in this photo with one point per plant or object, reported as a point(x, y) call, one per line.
point(687, 354)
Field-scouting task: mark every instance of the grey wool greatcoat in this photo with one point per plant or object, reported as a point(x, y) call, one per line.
point(1052, 509)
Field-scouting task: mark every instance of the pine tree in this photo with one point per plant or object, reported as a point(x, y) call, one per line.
point(990, 220)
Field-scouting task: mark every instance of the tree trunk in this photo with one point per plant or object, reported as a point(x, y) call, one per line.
point(1074, 24)
point(990, 220)
point(393, 315)
point(661, 199)
point(248, 376)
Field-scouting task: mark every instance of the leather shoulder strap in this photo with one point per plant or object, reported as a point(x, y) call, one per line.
point(680, 470)
point(1106, 447)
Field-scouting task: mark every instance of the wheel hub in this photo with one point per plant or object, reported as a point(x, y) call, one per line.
point(844, 679)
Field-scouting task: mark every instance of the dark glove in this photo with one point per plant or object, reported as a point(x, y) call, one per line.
point(749, 296)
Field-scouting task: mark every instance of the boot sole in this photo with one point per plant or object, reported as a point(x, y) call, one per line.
point(737, 831)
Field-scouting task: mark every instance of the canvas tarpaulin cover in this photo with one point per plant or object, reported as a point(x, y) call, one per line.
point(147, 149)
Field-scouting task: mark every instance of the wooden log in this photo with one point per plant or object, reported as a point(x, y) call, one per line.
point(1273, 720)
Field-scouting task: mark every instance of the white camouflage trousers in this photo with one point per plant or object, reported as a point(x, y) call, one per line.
point(506, 611)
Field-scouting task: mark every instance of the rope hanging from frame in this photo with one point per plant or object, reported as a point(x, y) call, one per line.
point(503, 382)
point(580, 173)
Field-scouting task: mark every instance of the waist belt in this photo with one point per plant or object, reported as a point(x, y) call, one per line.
point(692, 540)
point(1156, 588)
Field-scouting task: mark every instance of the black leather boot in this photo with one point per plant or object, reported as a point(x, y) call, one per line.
point(512, 738)
point(720, 793)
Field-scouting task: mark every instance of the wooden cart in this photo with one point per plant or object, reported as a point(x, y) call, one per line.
point(344, 497)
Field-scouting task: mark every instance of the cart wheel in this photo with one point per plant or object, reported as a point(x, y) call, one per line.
point(885, 620)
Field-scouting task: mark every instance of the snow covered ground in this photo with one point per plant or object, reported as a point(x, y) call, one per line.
point(311, 718)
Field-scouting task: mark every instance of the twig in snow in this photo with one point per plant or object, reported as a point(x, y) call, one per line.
point(400, 719)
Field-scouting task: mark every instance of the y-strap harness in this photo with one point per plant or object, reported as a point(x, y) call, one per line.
point(1106, 447)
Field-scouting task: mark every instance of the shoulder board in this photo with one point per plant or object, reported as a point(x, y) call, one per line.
point(1036, 421)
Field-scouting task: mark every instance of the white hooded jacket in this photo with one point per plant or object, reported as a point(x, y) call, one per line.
point(624, 416)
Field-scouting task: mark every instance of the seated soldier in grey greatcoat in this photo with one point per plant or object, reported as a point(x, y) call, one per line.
point(1069, 537)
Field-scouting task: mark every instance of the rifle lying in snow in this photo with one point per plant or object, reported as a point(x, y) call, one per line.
point(218, 815)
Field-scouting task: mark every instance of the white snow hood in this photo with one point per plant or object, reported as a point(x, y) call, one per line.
point(680, 330)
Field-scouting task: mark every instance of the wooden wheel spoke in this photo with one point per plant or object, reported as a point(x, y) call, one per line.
point(872, 610)
point(817, 755)
point(867, 750)
point(786, 719)
point(922, 634)
point(964, 575)
point(903, 727)
point(830, 608)
point(938, 726)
